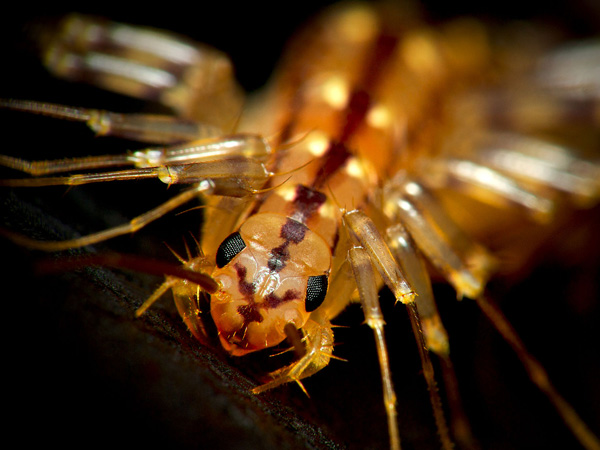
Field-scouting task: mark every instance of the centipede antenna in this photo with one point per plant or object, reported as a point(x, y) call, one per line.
point(129, 262)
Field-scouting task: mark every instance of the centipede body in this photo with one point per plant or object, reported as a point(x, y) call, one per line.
point(163, 336)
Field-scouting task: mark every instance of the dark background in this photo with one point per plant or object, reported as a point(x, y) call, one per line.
point(79, 370)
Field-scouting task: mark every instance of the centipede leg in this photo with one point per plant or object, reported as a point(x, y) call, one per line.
point(194, 80)
point(365, 280)
point(538, 375)
point(435, 336)
point(151, 128)
point(469, 269)
point(368, 237)
point(94, 238)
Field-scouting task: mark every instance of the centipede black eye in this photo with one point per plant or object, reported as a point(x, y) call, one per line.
point(315, 292)
point(229, 248)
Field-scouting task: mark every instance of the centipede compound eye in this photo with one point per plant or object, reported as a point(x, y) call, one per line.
point(316, 289)
point(229, 248)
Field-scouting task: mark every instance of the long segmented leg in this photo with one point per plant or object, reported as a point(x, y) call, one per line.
point(94, 238)
point(466, 266)
point(210, 164)
point(367, 288)
point(372, 244)
point(436, 338)
point(205, 187)
point(507, 168)
point(151, 128)
point(194, 80)
point(203, 142)
point(542, 164)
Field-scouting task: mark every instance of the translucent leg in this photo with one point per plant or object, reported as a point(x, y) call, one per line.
point(130, 227)
point(486, 184)
point(560, 91)
point(571, 71)
point(436, 337)
point(318, 351)
point(202, 149)
point(151, 128)
point(465, 264)
point(538, 375)
point(370, 240)
point(195, 80)
point(452, 258)
point(541, 164)
point(367, 288)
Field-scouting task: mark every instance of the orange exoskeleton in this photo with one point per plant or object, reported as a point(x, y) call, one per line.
point(359, 166)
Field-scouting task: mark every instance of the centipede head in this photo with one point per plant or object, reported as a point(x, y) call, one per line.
point(273, 271)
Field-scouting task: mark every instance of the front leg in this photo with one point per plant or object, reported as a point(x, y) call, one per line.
point(318, 343)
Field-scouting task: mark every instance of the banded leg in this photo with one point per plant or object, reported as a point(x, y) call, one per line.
point(465, 264)
point(194, 80)
point(561, 89)
point(94, 238)
point(234, 177)
point(367, 288)
point(365, 234)
point(508, 169)
point(455, 259)
point(203, 142)
point(436, 338)
point(151, 128)
point(545, 165)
